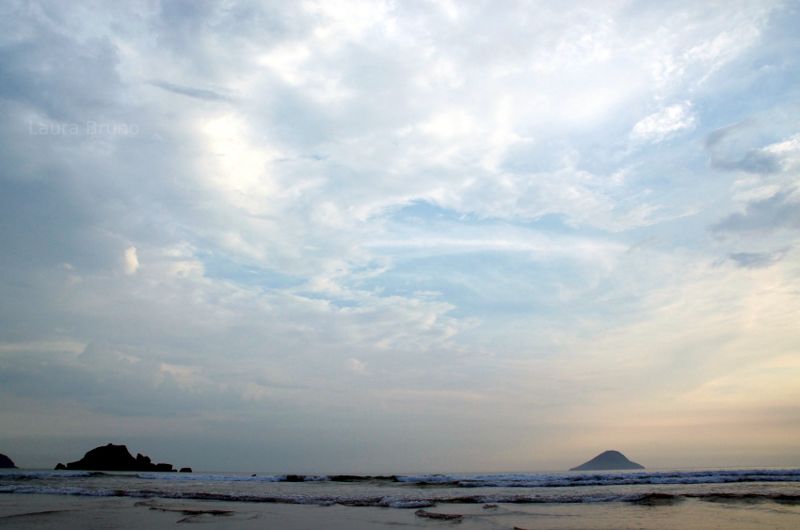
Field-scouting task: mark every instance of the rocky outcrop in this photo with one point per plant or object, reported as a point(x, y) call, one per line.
point(186, 470)
point(6, 463)
point(607, 461)
point(439, 516)
point(115, 458)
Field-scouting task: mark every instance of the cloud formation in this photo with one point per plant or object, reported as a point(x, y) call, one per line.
point(664, 123)
point(131, 261)
point(378, 225)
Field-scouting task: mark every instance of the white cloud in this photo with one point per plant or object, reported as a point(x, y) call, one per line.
point(660, 125)
point(356, 366)
point(786, 152)
point(131, 260)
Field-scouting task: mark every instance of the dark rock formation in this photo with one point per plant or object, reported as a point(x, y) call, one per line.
point(6, 463)
point(115, 458)
point(186, 470)
point(60, 467)
point(608, 460)
point(440, 516)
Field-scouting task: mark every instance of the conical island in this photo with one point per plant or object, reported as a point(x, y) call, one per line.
point(608, 460)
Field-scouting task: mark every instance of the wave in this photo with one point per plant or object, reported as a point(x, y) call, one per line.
point(221, 477)
point(39, 475)
point(649, 498)
point(501, 480)
point(513, 480)
point(612, 479)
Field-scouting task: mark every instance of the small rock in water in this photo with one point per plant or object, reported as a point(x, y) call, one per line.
point(439, 516)
point(489, 506)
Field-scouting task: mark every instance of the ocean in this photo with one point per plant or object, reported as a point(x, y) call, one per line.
point(482, 497)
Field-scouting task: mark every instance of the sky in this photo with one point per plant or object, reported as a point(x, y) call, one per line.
point(409, 236)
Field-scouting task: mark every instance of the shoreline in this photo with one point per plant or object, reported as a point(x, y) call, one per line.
point(73, 512)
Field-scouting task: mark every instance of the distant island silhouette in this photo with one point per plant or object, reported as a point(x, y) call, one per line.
point(608, 460)
point(6, 463)
point(117, 458)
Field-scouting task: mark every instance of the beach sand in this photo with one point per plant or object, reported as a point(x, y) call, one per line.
point(68, 512)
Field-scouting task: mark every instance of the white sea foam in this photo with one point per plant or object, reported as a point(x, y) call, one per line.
point(428, 479)
point(393, 502)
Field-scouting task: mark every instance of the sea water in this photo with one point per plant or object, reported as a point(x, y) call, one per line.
point(781, 486)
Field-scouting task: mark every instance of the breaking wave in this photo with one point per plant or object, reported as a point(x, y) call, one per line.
point(513, 480)
point(505, 480)
point(502, 480)
point(652, 498)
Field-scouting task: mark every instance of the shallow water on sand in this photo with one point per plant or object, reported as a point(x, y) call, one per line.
point(652, 500)
point(68, 512)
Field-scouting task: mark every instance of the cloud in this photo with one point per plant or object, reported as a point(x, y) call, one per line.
point(755, 260)
point(755, 161)
point(760, 161)
point(131, 260)
point(719, 135)
point(726, 145)
point(765, 192)
point(660, 125)
point(192, 92)
point(356, 366)
point(780, 211)
point(348, 217)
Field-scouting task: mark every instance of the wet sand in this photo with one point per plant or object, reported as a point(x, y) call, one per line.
point(70, 512)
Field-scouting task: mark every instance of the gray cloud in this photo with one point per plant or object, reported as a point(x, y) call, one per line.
point(757, 260)
point(724, 147)
point(782, 210)
point(718, 135)
point(124, 389)
point(754, 161)
point(192, 92)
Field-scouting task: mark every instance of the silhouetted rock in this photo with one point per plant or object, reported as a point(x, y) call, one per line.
point(6, 463)
point(186, 470)
point(115, 458)
point(60, 467)
point(440, 516)
point(608, 460)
